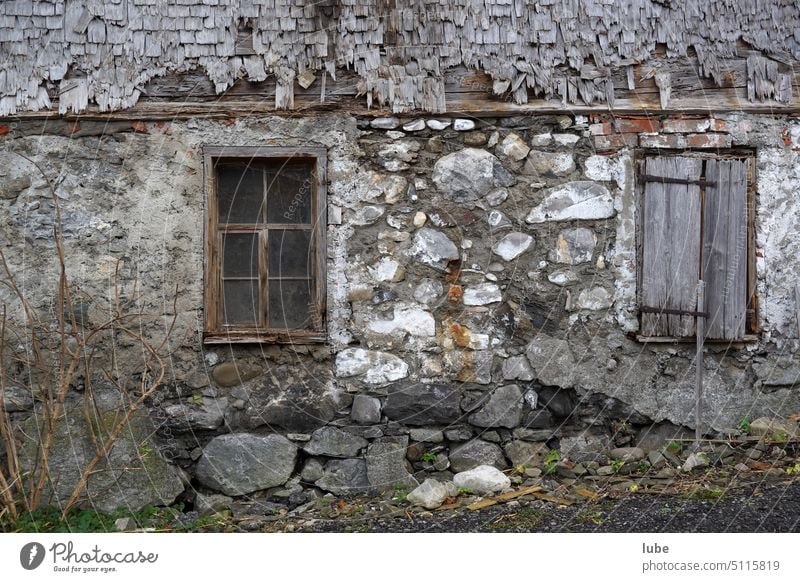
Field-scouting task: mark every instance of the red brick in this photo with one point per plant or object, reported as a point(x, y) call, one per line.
point(694, 125)
point(615, 141)
point(708, 140)
point(637, 124)
point(600, 129)
point(139, 126)
point(670, 140)
point(719, 125)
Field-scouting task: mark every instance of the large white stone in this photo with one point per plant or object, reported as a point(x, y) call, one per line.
point(482, 294)
point(411, 320)
point(385, 123)
point(513, 245)
point(482, 480)
point(574, 246)
point(433, 248)
point(594, 299)
point(581, 200)
point(463, 125)
point(549, 164)
point(513, 147)
point(375, 367)
point(428, 291)
point(431, 494)
point(387, 270)
point(391, 187)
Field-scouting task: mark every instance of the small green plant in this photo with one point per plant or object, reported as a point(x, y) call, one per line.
point(520, 469)
point(616, 464)
point(744, 425)
point(526, 519)
point(400, 494)
point(643, 467)
point(594, 517)
point(707, 493)
point(793, 470)
point(428, 457)
point(674, 447)
point(464, 491)
point(780, 436)
point(553, 457)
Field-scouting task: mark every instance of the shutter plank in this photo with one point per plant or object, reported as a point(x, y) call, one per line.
point(725, 249)
point(671, 246)
point(654, 289)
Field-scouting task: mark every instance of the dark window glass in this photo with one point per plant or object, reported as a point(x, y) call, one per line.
point(240, 302)
point(240, 255)
point(289, 304)
point(241, 193)
point(289, 190)
point(289, 253)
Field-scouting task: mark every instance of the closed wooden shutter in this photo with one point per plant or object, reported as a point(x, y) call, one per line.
point(671, 246)
point(725, 248)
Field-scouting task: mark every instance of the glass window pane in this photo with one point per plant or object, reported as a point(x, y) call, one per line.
point(289, 253)
point(240, 302)
point(240, 193)
point(240, 255)
point(289, 188)
point(290, 304)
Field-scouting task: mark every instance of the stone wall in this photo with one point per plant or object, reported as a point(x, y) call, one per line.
point(481, 292)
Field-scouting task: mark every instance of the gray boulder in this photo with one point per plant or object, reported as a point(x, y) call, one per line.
point(423, 404)
point(330, 441)
point(503, 409)
point(386, 464)
point(477, 452)
point(345, 477)
point(237, 464)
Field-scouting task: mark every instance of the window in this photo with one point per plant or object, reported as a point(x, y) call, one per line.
point(265, 241)
point(696, 216)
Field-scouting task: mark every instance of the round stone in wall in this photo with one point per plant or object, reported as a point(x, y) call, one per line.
point(468, 174)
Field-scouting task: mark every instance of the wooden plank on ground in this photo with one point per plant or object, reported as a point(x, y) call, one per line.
point(488, 502)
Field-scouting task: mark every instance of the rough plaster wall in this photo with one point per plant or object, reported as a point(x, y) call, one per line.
point(104, 52)
point(138, 199)
point(778, 241)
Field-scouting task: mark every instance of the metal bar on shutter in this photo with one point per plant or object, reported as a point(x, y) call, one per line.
point(671, 246)
point(702, 182)
point(725, 249)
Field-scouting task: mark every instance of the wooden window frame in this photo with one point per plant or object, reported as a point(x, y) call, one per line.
point(752, 330)
point(214, 331)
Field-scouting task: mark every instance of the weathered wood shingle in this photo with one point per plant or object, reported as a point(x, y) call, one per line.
point(561, 49)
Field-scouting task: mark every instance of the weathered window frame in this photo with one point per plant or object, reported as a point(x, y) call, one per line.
point(215, 332)
point(748, 155)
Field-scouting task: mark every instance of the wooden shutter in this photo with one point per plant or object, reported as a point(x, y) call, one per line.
point(671, 245)
point(725, 248)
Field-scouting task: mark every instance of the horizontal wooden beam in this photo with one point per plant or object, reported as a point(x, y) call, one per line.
point(191, 94)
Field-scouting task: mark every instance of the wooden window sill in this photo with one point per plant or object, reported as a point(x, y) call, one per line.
point(749, 338)
point(253, 337)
